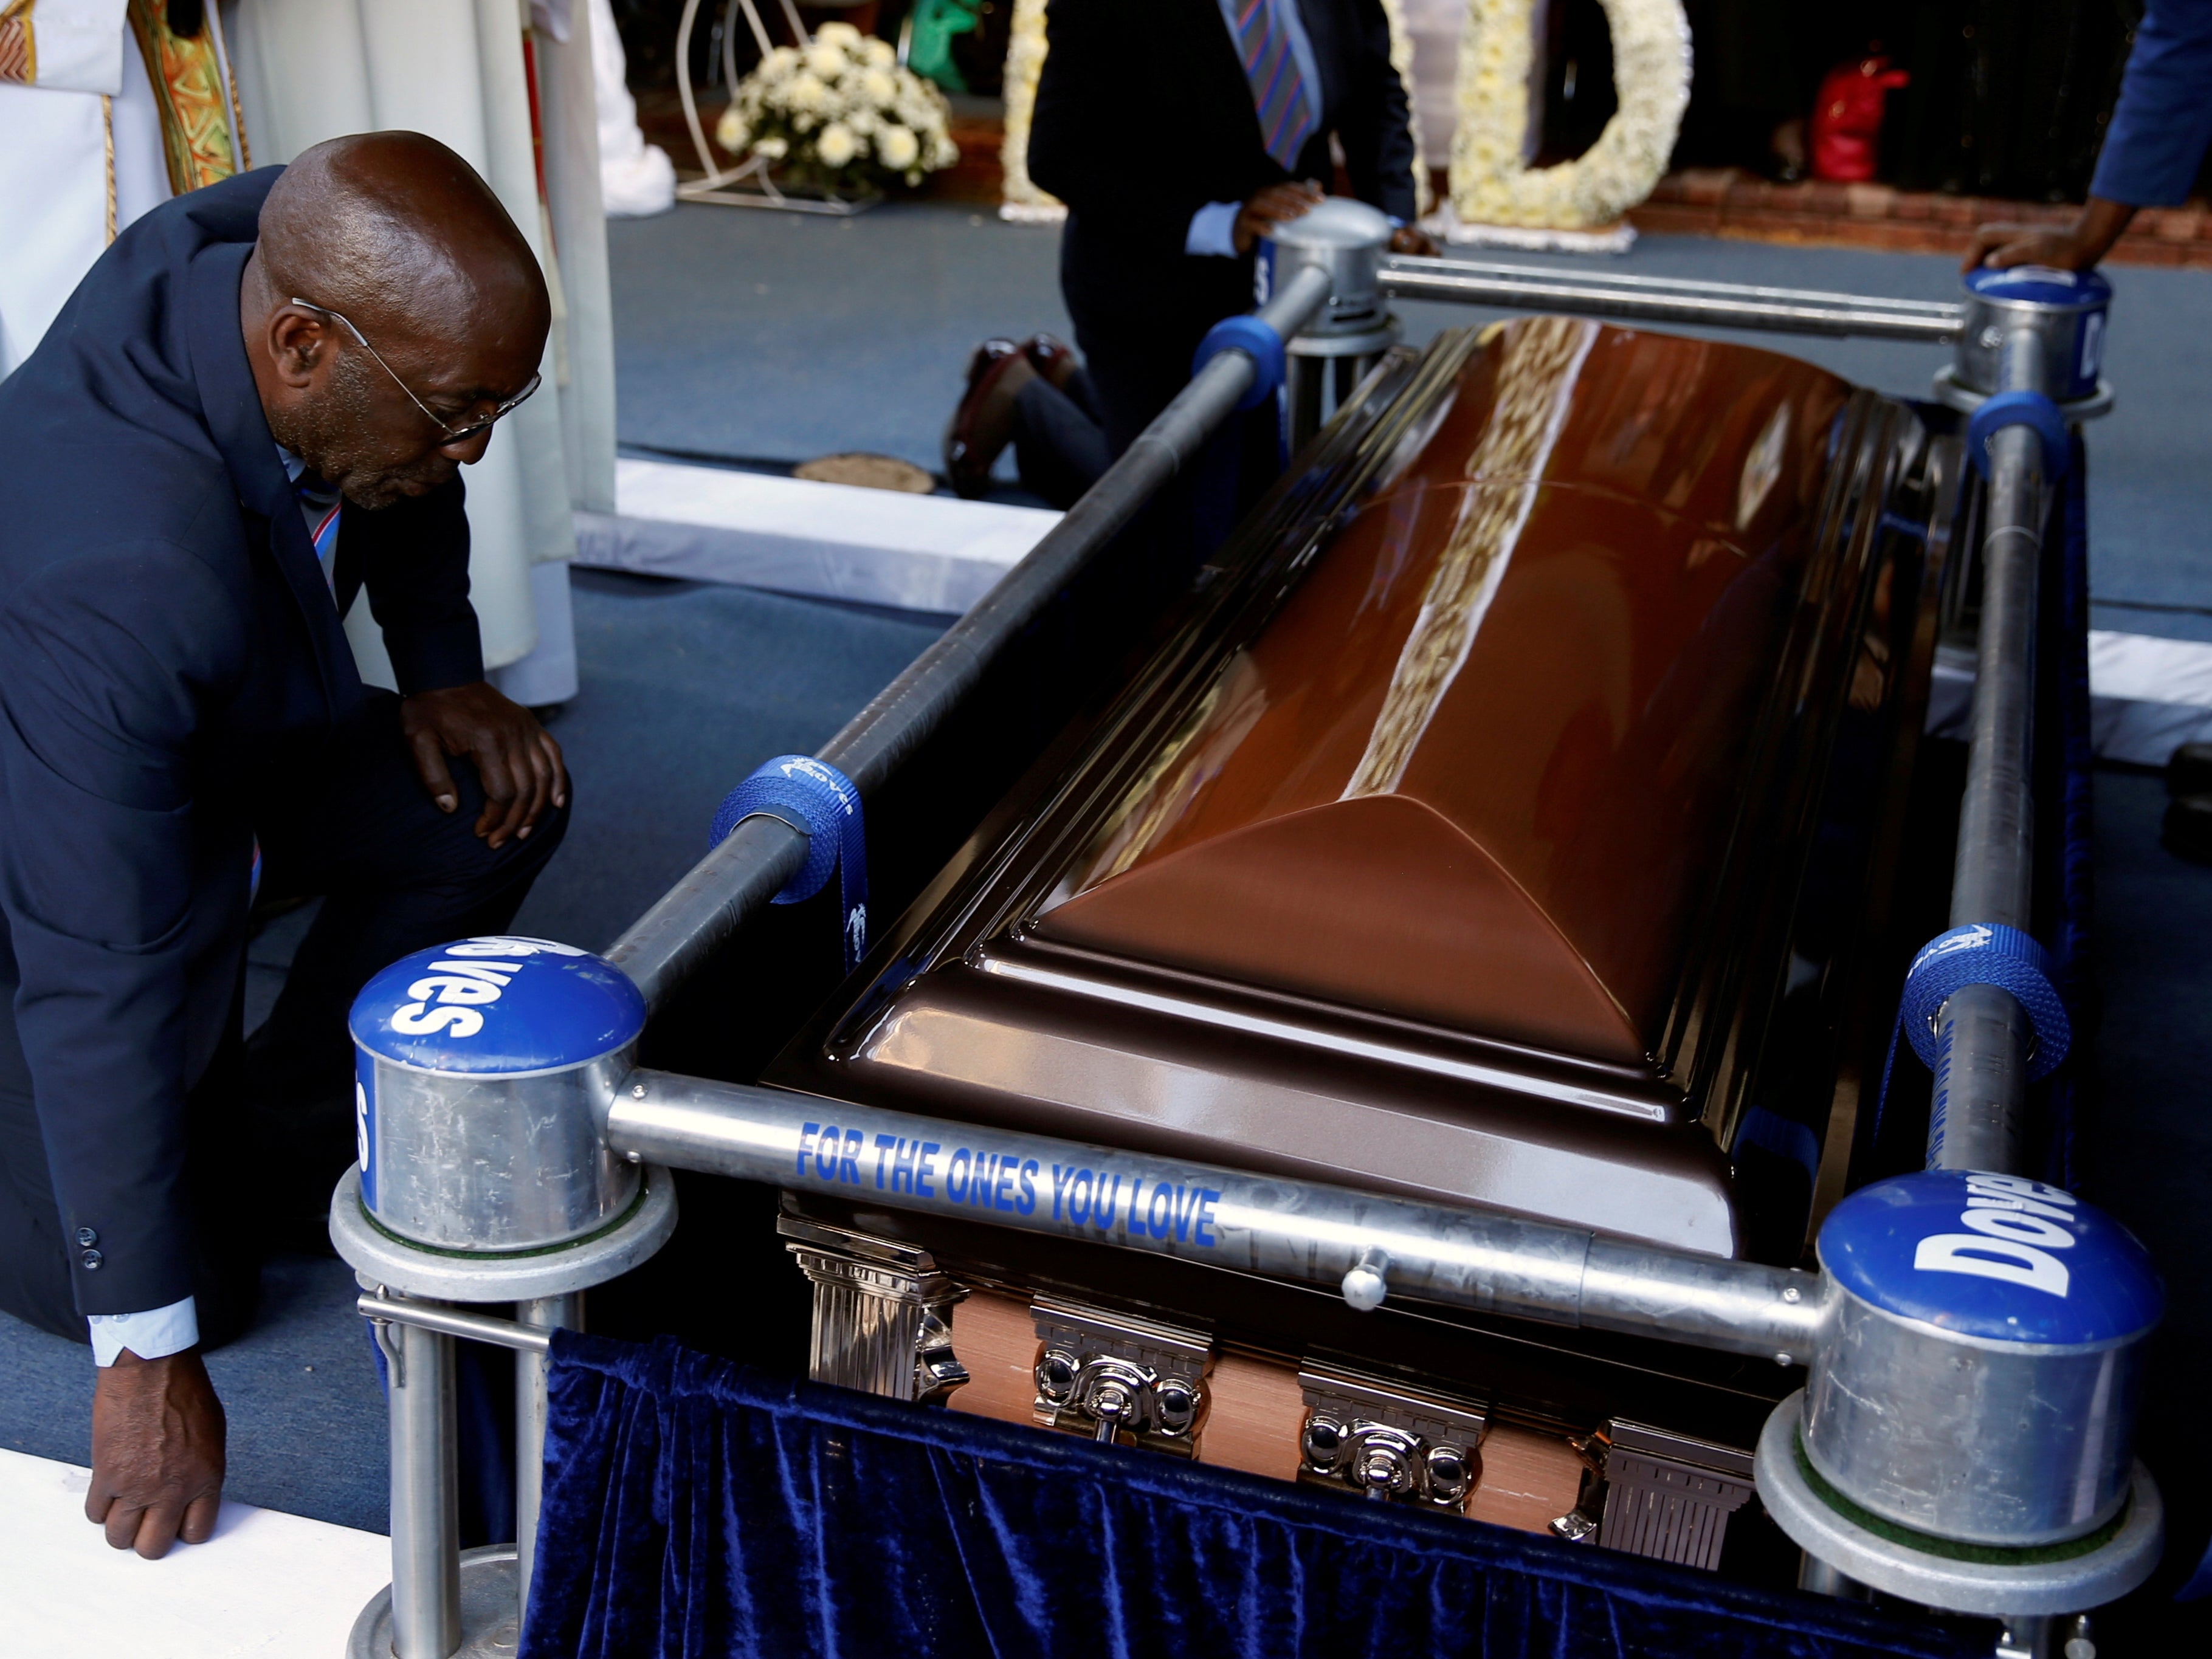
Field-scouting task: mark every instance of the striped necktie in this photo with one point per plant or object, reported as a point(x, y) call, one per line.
point(1279, 91)
point(320, 508)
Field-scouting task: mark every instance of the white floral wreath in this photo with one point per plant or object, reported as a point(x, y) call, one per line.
point(1020, 199)
point(1490, 182)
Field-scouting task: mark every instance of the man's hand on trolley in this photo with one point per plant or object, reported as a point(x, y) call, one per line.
point(2075, 246)
point(1273, 206)
point(157, 1453)
point(516, 759)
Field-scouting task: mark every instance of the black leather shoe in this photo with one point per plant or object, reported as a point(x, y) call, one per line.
point(984, 425)
point(2187, 832)
point(1052, 357)
point(2189, 771)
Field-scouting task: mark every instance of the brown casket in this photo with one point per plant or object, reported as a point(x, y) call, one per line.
point(1496, 825)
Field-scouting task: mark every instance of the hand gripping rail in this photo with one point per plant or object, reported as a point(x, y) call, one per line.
point(733, 881)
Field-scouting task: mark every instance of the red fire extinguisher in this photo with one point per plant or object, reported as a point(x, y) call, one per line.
point(1847, 119)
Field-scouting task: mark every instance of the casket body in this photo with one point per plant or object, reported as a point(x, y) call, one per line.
point(1502, 821)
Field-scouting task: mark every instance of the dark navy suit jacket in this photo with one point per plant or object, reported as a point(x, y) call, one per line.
point(1144, 116)
point(168, 649)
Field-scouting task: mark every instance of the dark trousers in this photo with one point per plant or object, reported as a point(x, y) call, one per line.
point(1060, 438)
point(271, 1126)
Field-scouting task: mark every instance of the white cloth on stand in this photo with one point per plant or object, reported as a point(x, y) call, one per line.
point(636, 178)
point(53, 199)
point(313, 70)
point(1435, 26)
point(54, 162)
point(80, 45)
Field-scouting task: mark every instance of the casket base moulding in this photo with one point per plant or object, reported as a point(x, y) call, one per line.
point(1285, 1382)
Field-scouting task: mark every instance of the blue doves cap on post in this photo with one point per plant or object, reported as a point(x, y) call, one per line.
point(498, 1004)
point(1995, 1258)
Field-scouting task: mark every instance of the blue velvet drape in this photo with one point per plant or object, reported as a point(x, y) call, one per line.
point(694, 1510)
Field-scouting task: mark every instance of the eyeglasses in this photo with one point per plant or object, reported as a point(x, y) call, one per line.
point(453, 434)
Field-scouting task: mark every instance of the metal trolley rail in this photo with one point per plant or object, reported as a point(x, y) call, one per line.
point(539, 1169)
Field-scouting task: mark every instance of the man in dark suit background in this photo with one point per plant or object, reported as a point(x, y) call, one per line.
point(1176, 131)
point(254, 407)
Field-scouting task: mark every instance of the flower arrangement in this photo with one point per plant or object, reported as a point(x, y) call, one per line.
point(1491, 185)
point(840, 113)
point(1401, 59)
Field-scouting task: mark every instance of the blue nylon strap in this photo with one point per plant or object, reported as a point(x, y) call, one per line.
point(2020, 409)
point(823, 804)
point(1256, 340)
point(1984, 954)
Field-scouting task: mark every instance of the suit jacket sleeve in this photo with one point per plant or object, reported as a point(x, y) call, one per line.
point(2159, 131)
point(414, 562)
point(104, 664)
point(1377, 128)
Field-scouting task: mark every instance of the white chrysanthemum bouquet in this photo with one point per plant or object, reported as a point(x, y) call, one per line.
point(840, 113)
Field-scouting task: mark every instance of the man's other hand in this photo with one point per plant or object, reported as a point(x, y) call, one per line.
point(516, 759)
point(157, 1453)
point(1273, 206)
point(2064, 247)
point(1412, 238)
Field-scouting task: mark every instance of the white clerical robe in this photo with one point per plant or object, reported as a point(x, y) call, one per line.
point(79, 157)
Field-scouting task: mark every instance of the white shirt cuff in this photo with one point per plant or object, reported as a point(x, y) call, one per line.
point(153, 1335)
point(1213, 231)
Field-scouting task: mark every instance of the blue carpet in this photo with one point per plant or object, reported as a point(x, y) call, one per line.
point(783, 336)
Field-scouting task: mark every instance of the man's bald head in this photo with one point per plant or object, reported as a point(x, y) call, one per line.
point(394, 229)
point(400, 237)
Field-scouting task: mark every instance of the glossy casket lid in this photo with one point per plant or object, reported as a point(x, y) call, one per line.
point(1482, 767)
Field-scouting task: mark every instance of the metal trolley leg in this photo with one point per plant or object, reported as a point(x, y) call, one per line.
point(542, 1313)
point(426, 1579)
point(445, 1602)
